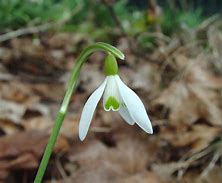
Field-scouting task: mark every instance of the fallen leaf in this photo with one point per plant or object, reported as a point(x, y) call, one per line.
point(193, 97)
point(23, 150)
point(196, 137)
point(11, 111)
point(100, 162)
point(90, 78)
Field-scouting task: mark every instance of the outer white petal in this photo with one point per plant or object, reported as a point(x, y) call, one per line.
point(123, 111)
point(134, 106)
point(88, 110)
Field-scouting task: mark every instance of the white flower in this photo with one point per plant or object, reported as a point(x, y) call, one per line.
point(116, 97)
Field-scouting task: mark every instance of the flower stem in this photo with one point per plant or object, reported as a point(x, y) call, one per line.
point(63, 109)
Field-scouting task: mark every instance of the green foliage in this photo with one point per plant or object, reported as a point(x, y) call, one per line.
point(96, 20)
point(93, 18)
point(192, 18)
point(94, 15)
point(173, 20)
point(17, 13)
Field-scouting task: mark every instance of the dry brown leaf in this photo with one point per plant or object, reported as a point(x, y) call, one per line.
point(45, 123)
point(145, 177)
point(90, 77)
point(30, 141)
point(18, 102)
point(4, 75)
point(197, 137)
point(42, 123)
point(24, 149)
point(9, 127)
point(17, 91)
point(145, 78)
point(5, 54)
point(166, 170)
point(70, 127)
point(49, 91)
point(184, 107)
point(32, 59)
point(142, 177)
point(214, 176)
point(93, 165)
point(129, 154)
point(11, 111)
point(193, 97)
point(200, 75)
point(25, 161)
point(61, 40)
point(215, 39)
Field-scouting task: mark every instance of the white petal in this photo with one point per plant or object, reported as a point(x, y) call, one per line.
point(111, 92)
point(134, 106)
point(88, 110)
point(123, 111)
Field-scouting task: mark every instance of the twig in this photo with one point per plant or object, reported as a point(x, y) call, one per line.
point(209, 21)
point(23, 31)
point(60, 168)
point(194, 158)
point(211, 165)
point(38, 28)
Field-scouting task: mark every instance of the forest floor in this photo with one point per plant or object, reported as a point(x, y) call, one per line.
point(180, 83)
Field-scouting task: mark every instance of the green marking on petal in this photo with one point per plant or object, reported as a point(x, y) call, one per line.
point(112, 102)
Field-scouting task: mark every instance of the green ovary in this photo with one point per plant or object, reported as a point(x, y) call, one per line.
point(110, 66)
point(112, 102)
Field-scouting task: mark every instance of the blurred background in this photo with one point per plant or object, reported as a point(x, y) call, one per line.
point(173, 61)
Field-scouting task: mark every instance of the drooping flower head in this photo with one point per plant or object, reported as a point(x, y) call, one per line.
point(116, 97)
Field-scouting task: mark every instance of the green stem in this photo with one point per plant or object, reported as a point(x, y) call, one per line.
point(63, 109)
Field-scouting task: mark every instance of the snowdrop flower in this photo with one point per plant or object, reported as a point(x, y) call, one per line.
point(116, 97)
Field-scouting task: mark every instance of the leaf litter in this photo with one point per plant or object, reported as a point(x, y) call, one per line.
point(180, 85)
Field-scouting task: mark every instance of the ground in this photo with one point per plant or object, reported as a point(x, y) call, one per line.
point(179, 82)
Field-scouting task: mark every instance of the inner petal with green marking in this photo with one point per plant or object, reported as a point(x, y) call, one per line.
point(112, 103)
point(111, 96)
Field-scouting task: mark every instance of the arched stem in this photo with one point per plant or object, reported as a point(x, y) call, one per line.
point(63, 109)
